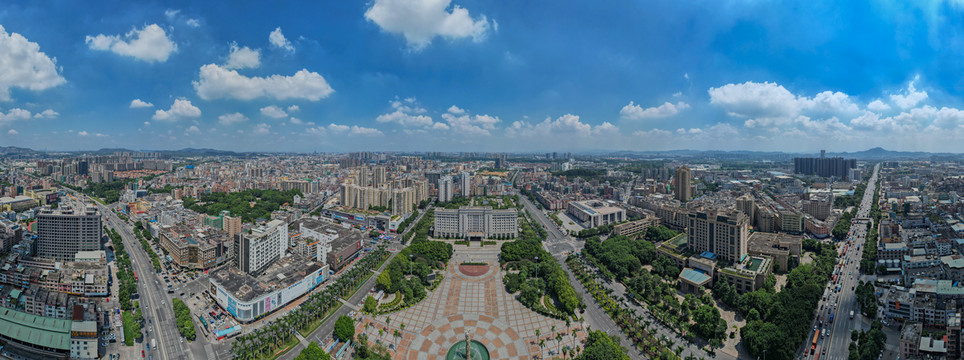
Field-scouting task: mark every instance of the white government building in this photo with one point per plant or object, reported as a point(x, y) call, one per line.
point(476, 223)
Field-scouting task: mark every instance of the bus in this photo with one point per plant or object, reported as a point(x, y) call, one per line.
point(816, 353)
point(135, 275)
point(813, 344)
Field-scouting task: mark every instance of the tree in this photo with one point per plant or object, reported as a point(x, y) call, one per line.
point(708, 322)
point(313, 352)
point(370, 304)
point(384, 281)
point(344, 328)
point(600, 346)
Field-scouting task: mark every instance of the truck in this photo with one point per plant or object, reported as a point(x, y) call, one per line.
point(851, 314)
point(154, 343)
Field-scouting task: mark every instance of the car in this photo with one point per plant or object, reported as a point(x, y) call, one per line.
point(143, 354)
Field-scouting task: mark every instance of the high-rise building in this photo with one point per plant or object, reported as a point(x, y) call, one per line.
point(63, 232)
point(262, 247)
point(445, 189)
point(466, 182)
point(379, 176)
point(746, 204)
point(682, 183)
point(722, 232)
point(232, 225)
point(825, 167)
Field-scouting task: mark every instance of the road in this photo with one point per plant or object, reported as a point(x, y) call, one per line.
point(559, 245)
point(155, 304)
point(835, 346)
point(326, 328)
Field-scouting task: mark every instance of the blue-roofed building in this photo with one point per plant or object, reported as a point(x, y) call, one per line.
point(691, 280)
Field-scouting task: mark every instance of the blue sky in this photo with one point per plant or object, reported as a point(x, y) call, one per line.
point(469, 75)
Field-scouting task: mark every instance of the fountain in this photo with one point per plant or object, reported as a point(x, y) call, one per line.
point(467, 349)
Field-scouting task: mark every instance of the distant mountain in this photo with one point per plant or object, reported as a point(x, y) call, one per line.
point(879, 153)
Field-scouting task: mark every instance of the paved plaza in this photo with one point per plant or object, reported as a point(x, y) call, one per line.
point(478, 305)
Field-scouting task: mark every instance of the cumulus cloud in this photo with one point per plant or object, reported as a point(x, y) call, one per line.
point(192, 130)
point(82, 133)
point(466, 124)
point(420, 21)
point(232, 118)
point(14, 115)
point(273, 112)
point(752, 99)
point(46, 114)
point(910, 96)
point(12, 132)
point(878, 106)
point(456, 110)
point(567, 125)
point(150, 44)
point(296, 121)
point(261, 129)
point(138, 103)
point(636, 112)
point(243, 58)
point(219, 83)
point(407, 113)
point(193, 23)
point(353, 130)
point(293, 108)
point(171, 13)
point(24, 65)
point(278, 40)
point(181, 108)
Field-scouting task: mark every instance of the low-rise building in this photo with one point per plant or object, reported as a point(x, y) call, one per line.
point(636, 226)
point(476, 223)
point(248, 298)
point(594, 213)
point(780, 247)
point(748, 275)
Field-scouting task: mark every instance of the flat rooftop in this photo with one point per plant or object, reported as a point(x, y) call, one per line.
point(283, 273)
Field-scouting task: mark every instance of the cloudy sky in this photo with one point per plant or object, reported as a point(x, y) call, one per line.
point(471, 75)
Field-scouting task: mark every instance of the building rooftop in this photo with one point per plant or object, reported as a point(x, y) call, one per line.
point(694, 276)
point(283, 273)
point(594, 207)
point(37, 330)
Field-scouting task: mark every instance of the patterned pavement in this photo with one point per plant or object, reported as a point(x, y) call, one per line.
point(478, 305)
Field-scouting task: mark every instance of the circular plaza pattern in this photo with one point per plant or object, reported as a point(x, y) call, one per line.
point(474, 270)
point(437, 338)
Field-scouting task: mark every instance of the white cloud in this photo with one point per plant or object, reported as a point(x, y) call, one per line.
point(82, 133)
point(949, 118)
point(878, 106)
point(193, 23)
point(566, 125)
point(273, 112)
point(293, 108)
point(320, 131)
point(216, 82)
point(752, 99)
point(456, 110)
point(232, 118)
point(278, 40)
point(192, 130)
point(832, 102)
point(261, 129)
point(181, 108)
point(636, 112)
point(420, 21)
point(149, 44)
point(910, 97)
point(338, 128)
point(14, 115)
point(46, 114)
point(171, 13)
point(407, 113)
point(465, 124)
point(12, 132)
point(243, 58)
point(24, 65)
point(353, 130)
point(652, 133)
point(138, 103)
point(296, 121)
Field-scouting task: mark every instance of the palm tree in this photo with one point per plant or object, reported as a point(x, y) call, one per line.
point(542, 343)
point(397, 335)
point(558, 339)
point(388, 320)
point(381, 332)
point(402, 326)
point(537, 332)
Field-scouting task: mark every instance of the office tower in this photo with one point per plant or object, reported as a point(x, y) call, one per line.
point(445, 189)
point(262, 247)
point(63, 232)
point(466, 184)
point(232, 225)
point(722, 232)
point(476, 223)
point(682, 183)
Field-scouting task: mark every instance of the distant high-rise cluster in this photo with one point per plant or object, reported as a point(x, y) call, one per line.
point(825, 167)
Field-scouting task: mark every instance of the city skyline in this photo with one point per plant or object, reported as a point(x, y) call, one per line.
point(476, 76)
